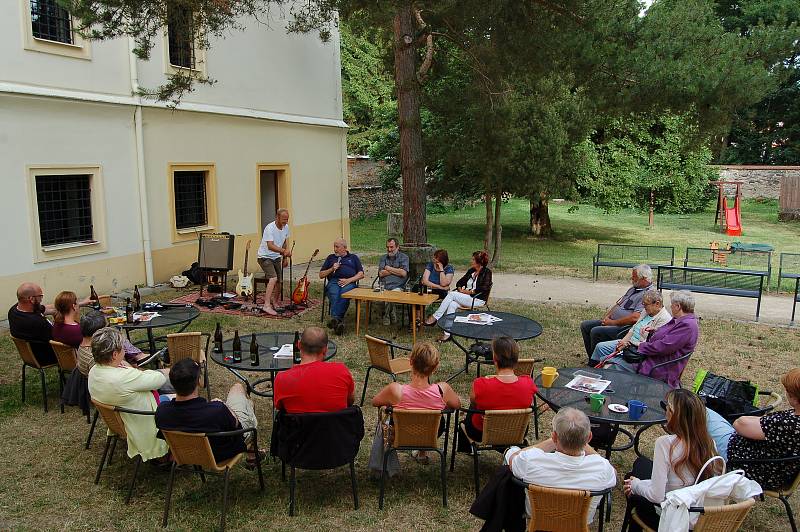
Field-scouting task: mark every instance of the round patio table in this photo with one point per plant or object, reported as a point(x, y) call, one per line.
point(268, 345)
point(169, 316)
point(624, 387)
point(512, 325)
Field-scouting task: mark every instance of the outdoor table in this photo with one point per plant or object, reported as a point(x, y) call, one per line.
point(391, 296)
point(268, 344)
point(512, 325)
point(624, 387)
point(169, 316)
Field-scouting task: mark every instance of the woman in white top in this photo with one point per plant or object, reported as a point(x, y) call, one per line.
point(677, 458)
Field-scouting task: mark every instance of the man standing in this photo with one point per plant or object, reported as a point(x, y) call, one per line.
point(314, 385)
point(343, 270)
point(392, 272)
point(622, 314)
point(273, 256)
point(565, 460)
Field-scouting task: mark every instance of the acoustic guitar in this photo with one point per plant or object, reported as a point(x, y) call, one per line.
point(300, 294)
point(245, 285)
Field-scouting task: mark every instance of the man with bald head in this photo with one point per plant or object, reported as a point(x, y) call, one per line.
point(342, 269)
point(26, 321)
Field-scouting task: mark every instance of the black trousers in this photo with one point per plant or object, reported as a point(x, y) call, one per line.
point(646, 510)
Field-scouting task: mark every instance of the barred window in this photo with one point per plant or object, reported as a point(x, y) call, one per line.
point(180, 23)
point(50, 21)
point(65, 208)
point(190, 199)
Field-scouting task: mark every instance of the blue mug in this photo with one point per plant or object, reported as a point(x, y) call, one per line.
point(636, 409)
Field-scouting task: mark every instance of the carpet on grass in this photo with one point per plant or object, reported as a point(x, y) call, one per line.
point(247, 308)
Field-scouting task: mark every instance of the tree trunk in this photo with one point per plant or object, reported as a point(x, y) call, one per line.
point(540, 217)
point(410, 125)
point(487, 238)
point(498, 229)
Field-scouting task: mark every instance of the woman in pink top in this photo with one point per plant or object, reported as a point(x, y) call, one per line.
point(66, 328)
point(420, 393)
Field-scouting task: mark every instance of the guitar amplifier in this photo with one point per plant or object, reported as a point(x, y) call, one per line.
point(215, 251)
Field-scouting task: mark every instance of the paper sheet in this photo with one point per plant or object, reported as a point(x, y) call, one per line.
point(286, 351)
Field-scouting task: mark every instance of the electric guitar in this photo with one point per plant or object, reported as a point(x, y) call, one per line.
point(245, 285)
point(300, 294)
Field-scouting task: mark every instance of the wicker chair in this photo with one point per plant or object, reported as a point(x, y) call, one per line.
point(525, 366)
point(67, 358)
point(563, 510)
point(189, 345)
point(501, 430)
point(726, 518)
point(29, 360)
point(381, 356)
point(417, 430)
point(192, 452)
point(116, 425)
point(782, 493)
point(105, 300)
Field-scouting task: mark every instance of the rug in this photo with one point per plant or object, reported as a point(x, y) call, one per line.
point(247, 308)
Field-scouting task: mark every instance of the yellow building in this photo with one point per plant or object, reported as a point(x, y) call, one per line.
point(101, 187)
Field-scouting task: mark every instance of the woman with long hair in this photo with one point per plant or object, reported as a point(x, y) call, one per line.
point(678, 457)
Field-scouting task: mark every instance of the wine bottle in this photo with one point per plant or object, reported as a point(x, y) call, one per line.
point(94, 297)
point(253, 350)
point(296, 348)
point(237, 347)
point(128, 311)
point(218, 339)
point(137, 298)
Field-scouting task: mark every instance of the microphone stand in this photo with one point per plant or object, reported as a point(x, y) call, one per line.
point(291, 306)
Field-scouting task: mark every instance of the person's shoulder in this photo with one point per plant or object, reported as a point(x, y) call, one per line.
point(337, 367)
point(449, 269)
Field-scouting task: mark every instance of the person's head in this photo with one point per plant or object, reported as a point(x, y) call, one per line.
point(66, 303)
point(571, 430)
point(340, 247)
point(791, 383)
point(424, 359)
point(106, 343)
point(653, 302)
point(392, 246)
point(281, 217)
point(314, 343)
point(681, 302)
point(686, 419)
point(505, 352)
point(479, 259)
point(440, 256)
point(29, 297)
point(641, 276)
point(91, 322)
point(184, 376)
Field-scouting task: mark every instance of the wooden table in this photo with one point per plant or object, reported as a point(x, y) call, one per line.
point(391, 296)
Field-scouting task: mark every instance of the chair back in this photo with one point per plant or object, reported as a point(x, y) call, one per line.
point(190, 448)
point(558, 510)
point(112, 418)
point(416, 427)
point(505, 427)
point(378, 352)
point(25, 352)
point(724, 518)
point(66, 355)
point(184, 345)
point(524, 367)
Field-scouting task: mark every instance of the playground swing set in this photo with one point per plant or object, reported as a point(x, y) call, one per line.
point(729, 218)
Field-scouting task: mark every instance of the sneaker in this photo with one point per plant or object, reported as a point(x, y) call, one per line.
point(339, 328)
point(332, 323)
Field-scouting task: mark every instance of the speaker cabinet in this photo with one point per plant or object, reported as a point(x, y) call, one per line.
point(215, 251)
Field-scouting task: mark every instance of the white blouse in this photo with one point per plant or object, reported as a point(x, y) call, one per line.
point(664, 478)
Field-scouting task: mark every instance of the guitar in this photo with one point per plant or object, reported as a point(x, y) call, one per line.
point(300, 294)
point(245, 285)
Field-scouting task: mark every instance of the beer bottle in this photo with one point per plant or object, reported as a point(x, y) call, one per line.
point(137, 299)
point(218, 339)
point(237, 347)
point(94, 297)
point(128, 311)
point(296, 348)
point(253, 350)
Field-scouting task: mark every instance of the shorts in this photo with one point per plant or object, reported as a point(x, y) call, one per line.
point(272, 267)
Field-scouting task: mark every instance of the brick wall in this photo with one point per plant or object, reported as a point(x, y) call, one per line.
point(367, 196)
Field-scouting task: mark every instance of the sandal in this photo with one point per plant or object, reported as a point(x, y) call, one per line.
point(250, 463)
point(426, 324)
point(443, 338)
point(420, 459)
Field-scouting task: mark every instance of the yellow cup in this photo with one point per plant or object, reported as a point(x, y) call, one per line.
point(549, 375)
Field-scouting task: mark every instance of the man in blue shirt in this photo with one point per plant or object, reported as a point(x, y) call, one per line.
point(343, 270)
point(393, 273)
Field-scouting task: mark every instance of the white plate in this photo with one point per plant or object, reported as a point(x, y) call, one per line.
point(616, 407)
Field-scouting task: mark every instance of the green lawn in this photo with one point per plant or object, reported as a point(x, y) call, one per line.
point(570, 251)
point(48, 475)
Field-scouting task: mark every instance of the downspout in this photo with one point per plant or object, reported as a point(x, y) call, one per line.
point(144, 218)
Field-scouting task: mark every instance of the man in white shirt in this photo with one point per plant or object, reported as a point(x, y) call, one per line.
point(273, 256)
point(565, 460)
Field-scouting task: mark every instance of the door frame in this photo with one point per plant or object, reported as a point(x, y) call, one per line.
point(283, 179)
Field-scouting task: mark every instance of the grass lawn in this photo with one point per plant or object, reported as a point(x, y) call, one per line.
point(576, 234)
point(48, 475)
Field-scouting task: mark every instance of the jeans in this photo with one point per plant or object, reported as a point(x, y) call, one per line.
point(593, 333)
point(603, 349)
point(338, 304)
point(720, 430)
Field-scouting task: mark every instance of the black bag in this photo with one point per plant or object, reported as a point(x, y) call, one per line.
point(724, 396)
point(195, 273)
point(632, 356)
point(479, 349)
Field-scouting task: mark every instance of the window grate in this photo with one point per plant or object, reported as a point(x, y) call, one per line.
point(51, 21)
point(190, 199)
point(180, 22)
point(65, 208)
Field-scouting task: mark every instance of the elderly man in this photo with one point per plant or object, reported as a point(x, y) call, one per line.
point(273, 255)
point(343, 270)
point(622, 314)
point(393, 273)
point(314, 385)
point(565, 460)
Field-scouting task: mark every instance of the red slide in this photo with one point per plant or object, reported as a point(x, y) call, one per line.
point(733, 217)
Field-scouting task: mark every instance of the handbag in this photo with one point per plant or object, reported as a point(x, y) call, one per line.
point(632, 356)
point(725, 396)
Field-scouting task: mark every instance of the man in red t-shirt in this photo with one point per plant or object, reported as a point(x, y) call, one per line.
point(314, 385)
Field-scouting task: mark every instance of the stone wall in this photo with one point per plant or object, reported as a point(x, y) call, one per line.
point(759, 181)
point(367, 196)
